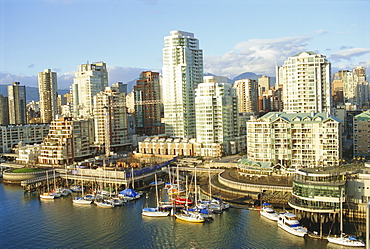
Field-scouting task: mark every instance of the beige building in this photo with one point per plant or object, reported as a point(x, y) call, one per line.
point(361, 135)
point(68, 140)
point(110, 120)
point(263, 84)
point(247, 92)
point(295, 139)
point(48, 92)
point(11, 135)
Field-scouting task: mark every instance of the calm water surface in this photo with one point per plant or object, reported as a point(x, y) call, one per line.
point(28, 222)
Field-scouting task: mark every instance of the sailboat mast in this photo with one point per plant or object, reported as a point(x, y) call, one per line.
point(341, 212)
point(156, 189)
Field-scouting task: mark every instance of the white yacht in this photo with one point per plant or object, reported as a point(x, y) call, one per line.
point(289, 222)
point(268, 212)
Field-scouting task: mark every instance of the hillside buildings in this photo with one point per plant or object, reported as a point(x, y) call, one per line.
point(48, 92)
point(181, 73)
point(306, 82)
point(148, 104)
point(295, 139)
point(17, 103)
point(89, 80)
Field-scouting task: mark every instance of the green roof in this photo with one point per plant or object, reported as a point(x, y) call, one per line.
point(299, 117)
point(308, 52)
point(247, 162)
point(363, 116)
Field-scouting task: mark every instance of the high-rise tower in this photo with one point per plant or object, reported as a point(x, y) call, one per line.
point(181, 73)
point(17, 103)
point(306, 82)
point(89, 80)
point(148, 106)
point(48, 92)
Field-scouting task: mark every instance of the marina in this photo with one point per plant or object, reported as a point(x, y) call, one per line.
point(61, 224)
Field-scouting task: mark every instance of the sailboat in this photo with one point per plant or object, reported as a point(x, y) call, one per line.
point(344, 239)
point(82, 200)
point(47, 195)
point(155, 212)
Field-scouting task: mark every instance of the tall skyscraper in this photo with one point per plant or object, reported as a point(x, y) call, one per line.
point(263, 84)
point(181, 73)
point(306, 81)
point(17, 103)
point(4, 110)
point(89, 80)
point(148, 106)
point(110, 120)
point(216, 116)
point(247, 92)
point(48, 92)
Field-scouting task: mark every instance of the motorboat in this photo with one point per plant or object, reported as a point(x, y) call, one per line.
point(154, 212)
point(81, 200)
point(288, 222)
point(347, 240)
point(189, 217)
point(76, 188)
point(268, 212)
point(104, 204)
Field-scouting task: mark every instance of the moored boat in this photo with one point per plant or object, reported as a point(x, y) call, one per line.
point(346, 240)
point(47, 196)
point(81, 200)
point(154, 212)
point(268, 212)
point(189, 217)
point(288, 222)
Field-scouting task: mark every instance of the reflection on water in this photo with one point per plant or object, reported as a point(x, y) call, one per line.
point(28, 222)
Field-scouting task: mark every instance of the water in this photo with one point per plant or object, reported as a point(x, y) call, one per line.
point(28, 222)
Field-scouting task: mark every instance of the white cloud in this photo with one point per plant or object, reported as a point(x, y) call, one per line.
point(321, 32)
point(255, 55)
point(348, 54)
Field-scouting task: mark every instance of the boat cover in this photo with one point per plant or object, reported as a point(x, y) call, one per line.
point(128, 192)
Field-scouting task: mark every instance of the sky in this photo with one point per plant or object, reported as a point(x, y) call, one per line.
point(236, 36)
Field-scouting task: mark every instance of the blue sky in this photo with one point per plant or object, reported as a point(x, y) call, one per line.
point(236, 36)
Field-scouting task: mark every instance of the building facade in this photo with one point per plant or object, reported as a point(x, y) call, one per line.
point(4, 110)
point(110, 120)
point(17, 103)
point(48, 92)
point(216, 109)
point(306, 81)
point(148, 105)
point(361, 135)
point(68, 140)
point(295, 140)
point(89, 80)
point(11, 135)
point(181, 73)
point(247, 92)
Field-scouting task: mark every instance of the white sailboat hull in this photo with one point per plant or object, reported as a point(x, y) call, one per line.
point(345, 241)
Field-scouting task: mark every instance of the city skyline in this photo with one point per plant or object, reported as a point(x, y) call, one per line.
point(262, 34)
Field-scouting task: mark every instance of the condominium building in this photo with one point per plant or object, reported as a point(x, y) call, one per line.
point(263, 84)
point(68, 140)
point(48, 92)
point(148, 105)
point(354, 86)
point(216, 110)
point(306, 81)
point(4, 110)
point(89, 80)
point(361, 135)
point(295, 139)
point(247, 92)
point(110, 120)
point(11, 135)
point(181, 73)
point(17, 103)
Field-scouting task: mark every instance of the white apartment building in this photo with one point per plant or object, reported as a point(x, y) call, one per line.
point(216, 110)
point(110, 120)
point(306, 82)
point(48, 92)
point(295, 139)
point(68, 140)
point(11, 135)
point(89, 80)
point(247, 92)
point(182, 71)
